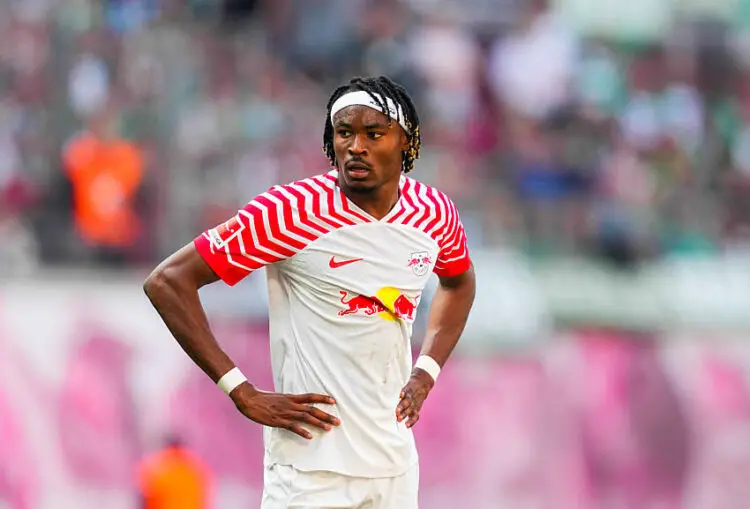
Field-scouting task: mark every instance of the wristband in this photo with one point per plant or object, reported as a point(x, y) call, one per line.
point(428, 364)
point(231, 380)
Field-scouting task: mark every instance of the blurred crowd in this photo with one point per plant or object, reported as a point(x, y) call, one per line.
point(127, 126)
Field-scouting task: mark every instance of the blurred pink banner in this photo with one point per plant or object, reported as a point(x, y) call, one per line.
point(594, 419)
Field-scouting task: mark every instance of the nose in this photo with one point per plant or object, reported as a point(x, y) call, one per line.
point(358, 145)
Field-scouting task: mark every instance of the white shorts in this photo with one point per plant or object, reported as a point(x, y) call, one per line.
point(288, 488)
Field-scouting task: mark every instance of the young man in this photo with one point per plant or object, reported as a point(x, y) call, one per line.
point(347, 255)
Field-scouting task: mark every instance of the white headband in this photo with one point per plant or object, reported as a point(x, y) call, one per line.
point(362, 98)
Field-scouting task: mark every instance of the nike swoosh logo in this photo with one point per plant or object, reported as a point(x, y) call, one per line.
point(337, 264)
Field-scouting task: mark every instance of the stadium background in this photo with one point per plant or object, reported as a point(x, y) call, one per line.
point(599, 152)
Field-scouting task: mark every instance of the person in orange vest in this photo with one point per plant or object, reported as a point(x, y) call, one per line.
point(106, 173)
point(174, 478)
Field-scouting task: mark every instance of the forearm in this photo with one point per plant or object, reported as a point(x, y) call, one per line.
point(180, 308)
point(448, 315)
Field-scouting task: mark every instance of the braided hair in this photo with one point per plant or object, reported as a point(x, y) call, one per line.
point(379, 89)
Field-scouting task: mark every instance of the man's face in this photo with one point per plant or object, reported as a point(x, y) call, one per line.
point(368, 149)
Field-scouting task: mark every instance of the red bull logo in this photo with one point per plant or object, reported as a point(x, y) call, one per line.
point(388, 303)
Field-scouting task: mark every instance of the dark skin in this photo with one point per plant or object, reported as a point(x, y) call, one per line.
point(368, 147)
point(172, 288)
point(448, 314)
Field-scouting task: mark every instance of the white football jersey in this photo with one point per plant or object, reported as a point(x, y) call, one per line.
point(343, 292)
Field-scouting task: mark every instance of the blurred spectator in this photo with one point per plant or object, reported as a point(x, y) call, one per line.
point(19, 253)
point(88, 84)
point(106, 173)
point(173, 478)
point(447, 57)
point(623, 227)
point(532, 68)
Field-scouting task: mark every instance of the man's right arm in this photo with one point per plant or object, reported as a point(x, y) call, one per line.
point(173, 288)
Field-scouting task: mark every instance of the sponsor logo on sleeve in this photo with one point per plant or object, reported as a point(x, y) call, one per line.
point(225, 232)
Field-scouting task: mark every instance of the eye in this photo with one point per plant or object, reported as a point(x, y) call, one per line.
point(374, 135)
point(343, 132)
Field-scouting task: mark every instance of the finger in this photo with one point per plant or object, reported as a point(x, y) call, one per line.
point(405, 400)
point(402, 409)
point(313, 398)
point(412, 420)
point(403, 405)
point(323, 416)
point(312, 421)
point(411, 411)
point(299, 430)
point(414, 408)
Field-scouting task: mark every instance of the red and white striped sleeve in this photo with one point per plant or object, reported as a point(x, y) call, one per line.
point(453, 258)
point(261, 233)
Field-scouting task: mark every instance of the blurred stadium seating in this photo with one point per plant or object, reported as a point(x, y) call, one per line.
point(599, 153)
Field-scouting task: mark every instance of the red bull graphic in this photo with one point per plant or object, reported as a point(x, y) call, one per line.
point(388, 303)
point(404, 308)
point(357, 303)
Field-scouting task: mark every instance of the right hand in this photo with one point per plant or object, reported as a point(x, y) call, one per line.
point(286, 411)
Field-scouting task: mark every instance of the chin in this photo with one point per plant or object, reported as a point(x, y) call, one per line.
point(362, 187)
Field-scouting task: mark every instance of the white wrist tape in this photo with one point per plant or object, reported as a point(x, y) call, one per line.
point(231, 380)
point(428, 364)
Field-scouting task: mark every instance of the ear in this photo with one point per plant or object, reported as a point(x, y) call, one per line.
point(404, 140)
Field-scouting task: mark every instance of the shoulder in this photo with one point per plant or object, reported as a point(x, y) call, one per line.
point(300, 193)
point(429, 210)
point(422, 195)
point(324, 183)
point(314, 204)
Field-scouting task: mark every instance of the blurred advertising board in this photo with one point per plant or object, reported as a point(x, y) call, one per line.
point(584, 416)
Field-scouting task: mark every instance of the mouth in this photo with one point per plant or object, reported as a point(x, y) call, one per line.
point(357, 170)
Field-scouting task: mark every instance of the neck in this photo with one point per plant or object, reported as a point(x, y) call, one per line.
point(376, 202)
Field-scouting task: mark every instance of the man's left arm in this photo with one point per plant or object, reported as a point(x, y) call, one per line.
point(449, 312)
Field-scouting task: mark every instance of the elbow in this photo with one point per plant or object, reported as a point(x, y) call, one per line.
point(160, 279)
point(181, 274)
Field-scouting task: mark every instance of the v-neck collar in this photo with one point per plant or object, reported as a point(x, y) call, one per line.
point(395, 210)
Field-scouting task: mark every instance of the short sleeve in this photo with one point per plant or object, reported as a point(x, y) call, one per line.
point(453, 258)
point(255, 237)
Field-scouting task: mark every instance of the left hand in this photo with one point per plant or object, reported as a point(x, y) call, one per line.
point(413, 395)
